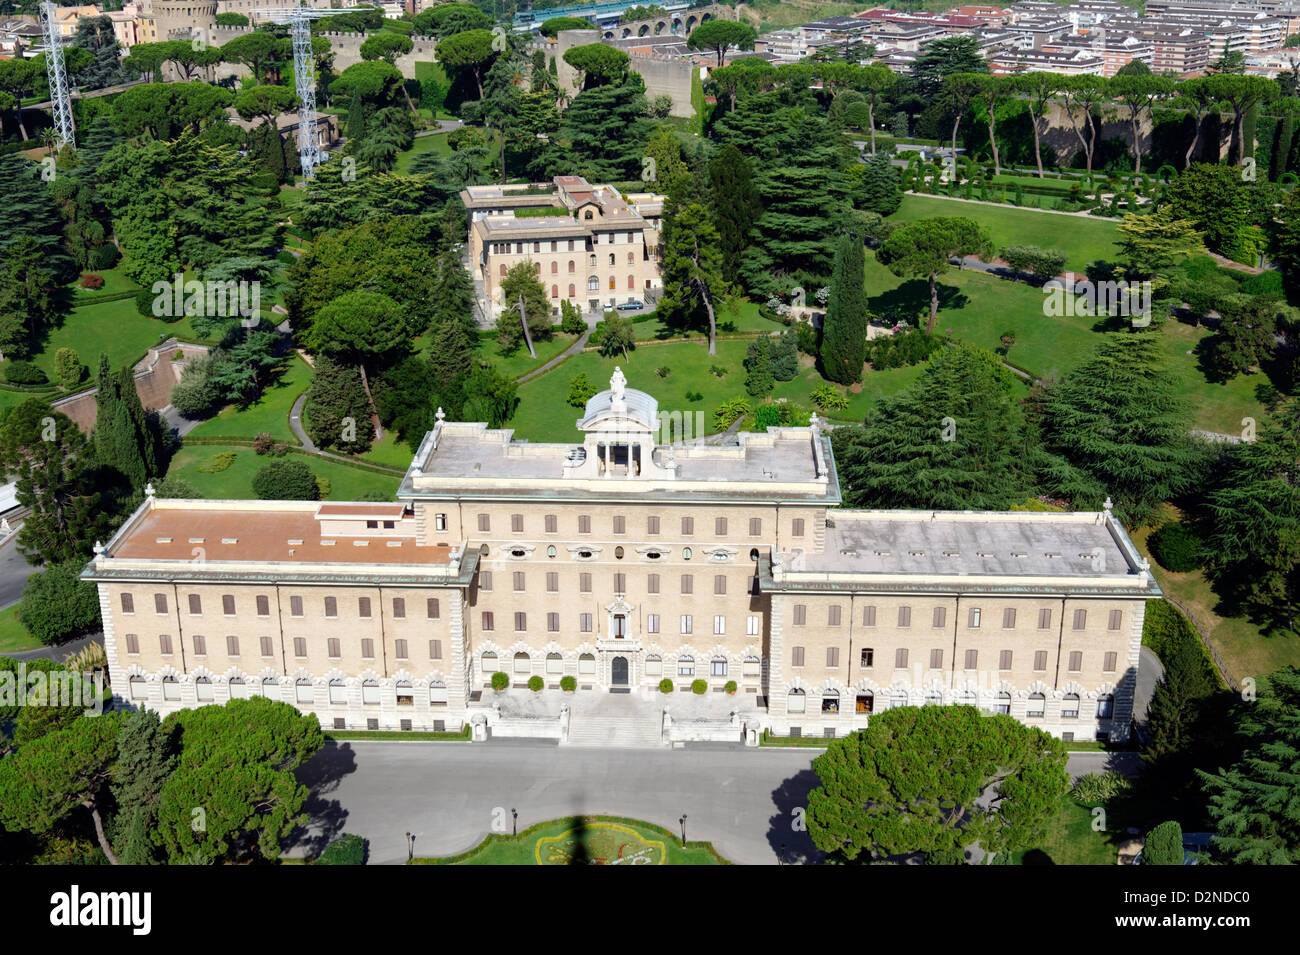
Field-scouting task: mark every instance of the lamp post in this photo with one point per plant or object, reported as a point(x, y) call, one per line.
point(515, 814)
point(683, 822)
point(410, 847)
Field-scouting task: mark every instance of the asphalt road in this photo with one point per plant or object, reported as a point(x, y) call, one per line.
point(745, 801)
point(14, 571)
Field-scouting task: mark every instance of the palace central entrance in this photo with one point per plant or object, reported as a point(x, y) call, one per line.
point(618, 671)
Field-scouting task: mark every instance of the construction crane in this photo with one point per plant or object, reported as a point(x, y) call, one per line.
point(304, 77)
point(58, 76)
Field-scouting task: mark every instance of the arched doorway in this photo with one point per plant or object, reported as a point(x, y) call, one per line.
point(618, 671)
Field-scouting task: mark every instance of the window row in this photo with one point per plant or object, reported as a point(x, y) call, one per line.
point(304, 691)
point(586, 623)
point(653, 583)
point(653, 526)
point(266, 647)
point(797, 702)
point(970, 659)
point(939, 617)
point(432, 607)
point(522, 663)
point(522, 248)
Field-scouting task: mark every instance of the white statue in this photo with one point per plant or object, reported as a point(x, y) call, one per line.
point(617, 384)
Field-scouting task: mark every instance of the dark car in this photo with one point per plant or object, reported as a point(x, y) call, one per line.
point(627, 306)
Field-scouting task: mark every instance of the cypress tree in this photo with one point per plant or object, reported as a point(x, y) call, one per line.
point(844, 332)
point(106, 402)
point(736, 206)
point(758, 367)
point(142, 425)
point(146, 756)
point(356, 117)
point(453, 295)
point(127, 457)
point(98, 140)
point(336, 394)
point(267, 151)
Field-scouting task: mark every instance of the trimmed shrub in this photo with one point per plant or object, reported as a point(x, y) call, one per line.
point(1177, 548)
point(665, 685)
point(266, 444)
point(68, 368)
point(92, 281)
point(699, 687)
point(535, 683)
point(346, 850)
point(25, 373)
point(1164, 845)
point(500, 681)
point(568, 683)
point(731, 686)
point(286, 481)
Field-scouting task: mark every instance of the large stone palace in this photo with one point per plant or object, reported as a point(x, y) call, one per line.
point(623, 561)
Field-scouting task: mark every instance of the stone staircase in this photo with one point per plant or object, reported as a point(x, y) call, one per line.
point(625, 732)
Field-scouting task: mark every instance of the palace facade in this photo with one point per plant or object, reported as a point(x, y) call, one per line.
point(622, 560)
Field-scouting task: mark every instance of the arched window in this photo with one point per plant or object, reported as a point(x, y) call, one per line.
point(489, 661)
point(1070, 706)
point(933, 698)
point(571, 267)
point(555, 291)
point(238, 689)
point(370, 692)
point(654, 665)
point(503, 270)
point(523, 663)
point(593, 260)
point(631, 258)
point(686, 666)
point(631, 283)
point(338, 691)
point(968, 698)
point(139, 688)
point(795, 701)
point(751, 667)
point(586, 665)
point(830, 701)
point(437, 693)
point(611, 258)
point(899, 698)
point(303, 691)
point(593, 284)
point(1105, 707)
point(270, 687)
point(171, 688)
point(613, 283)
point(1004, 703)
point(572, 291)
point(203, 689)
point(555, 267)
point(718, 666)
point(1036, 704)
point(866, 702)
point(554, 663)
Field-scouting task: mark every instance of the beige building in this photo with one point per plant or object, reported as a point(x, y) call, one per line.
point(591, 245)
point(623, 561)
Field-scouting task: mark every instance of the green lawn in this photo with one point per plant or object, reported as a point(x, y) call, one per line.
point(13, 635)
point(115, 282)
point(1083, 239)
point(236, 482)
point(1071, 840)
point(518, 362)
point(269, 414)
point(590, 840)
point(390, 452)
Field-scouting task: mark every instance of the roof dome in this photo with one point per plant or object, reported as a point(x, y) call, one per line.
point(618, 406)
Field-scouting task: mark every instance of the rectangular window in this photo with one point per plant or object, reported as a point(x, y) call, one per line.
point(332, 648)
point(755, 527)
point(1076, 661)
point(652, 525)
point(688, 584)
point(440, 522)
point(936, 659)
point(132, 643)
point(552, 524)
point(973, 620)
point(1004, 660)
point(484, 523)
point(688, 526)
point(796, 527)
point(263, 606)
point(518, 580)
point(686, 623)
point(972, 659)
point(620, 524)
point(363, 608)
point(800, 615)
point(652, 584)
point(268, 646)
point(485, 580)
point(433, 608)
point(1114, 620)
point(128, 603)
point(752, 625)
point(331, 607)
point(652, 623)
point(620, 583)
point(1044, 620)
point(832, 656)
point(399, 648)
point(295, 606)
point(833, 615)
point(435, 649)
point(720, 527)
point(521, 621)
point(584, 622)
point(717, 667)
point(939, 617)
point(904, 616)
point(200, 646)
point(399, 607)
point(1009, 618)
point(552, 582)
point(228, 604)
point(160, 603)
point(796, 656)
point(719, 584)
point(1109, 661)
point(869, 615)
point(165, 644)
point(367, 648)
point(719, 625)
point(232, 646)
point(900, 658)
point(299, 646)
point(196, 605)
point(584, 583)
point(552, 623)
point(516, 523)
point(1040, 661)
point(584, 523)
point(1080, 619)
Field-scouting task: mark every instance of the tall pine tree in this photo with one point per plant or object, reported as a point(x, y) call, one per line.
point(844, 331)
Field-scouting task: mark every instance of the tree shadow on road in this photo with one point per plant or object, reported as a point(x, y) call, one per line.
point(787, 832)
point(325, 816)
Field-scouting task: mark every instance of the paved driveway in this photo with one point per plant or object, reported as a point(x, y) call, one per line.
point(741, 800)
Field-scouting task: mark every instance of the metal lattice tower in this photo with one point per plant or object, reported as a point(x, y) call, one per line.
point(304, 77)
point(58, 77)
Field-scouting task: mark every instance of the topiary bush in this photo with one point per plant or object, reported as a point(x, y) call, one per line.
point(1176, 547)
point(731, 687)
point(92, 281)
point(25, 373)
point(699, 687)
point(500, 681)
point(665, 685)
point(535, 683)
point(568, 683)
point(286, 481)
point(346, 850)
point(1164, 845)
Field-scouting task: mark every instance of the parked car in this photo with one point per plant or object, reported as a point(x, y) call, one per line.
point(627, 306)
